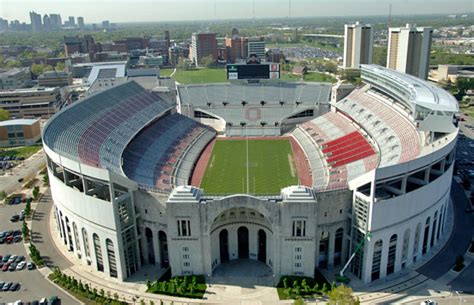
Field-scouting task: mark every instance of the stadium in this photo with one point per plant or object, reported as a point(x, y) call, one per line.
point(266, 171)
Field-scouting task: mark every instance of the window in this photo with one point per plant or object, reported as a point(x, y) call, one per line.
point(184, 227)
point(299, 228)
point(185, 256)
point(186, 264)
point(298, 249)
point(297, 265)
point(298, 257)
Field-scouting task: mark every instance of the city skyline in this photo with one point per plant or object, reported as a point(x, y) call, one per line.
point(166, 10)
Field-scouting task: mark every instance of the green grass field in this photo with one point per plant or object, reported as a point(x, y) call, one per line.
point(21, 151)
point(271, 167)
point(201, 76)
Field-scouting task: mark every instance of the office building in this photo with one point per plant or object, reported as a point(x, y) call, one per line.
point(409, 50)
point(19, 132)
point(15, 78)
point(54, 79)
point(256, 45)
point(358, 45)
point(76, 44)
point(80, 22)
point(105, 24)
point(31, 103)
point(36, 24)
point(47, 22)
point(71, 21)
point(56, 22)
point(203, 45)
point(3, 25)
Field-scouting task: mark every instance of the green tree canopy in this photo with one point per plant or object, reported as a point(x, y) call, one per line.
point(4, 115)
point(342, 295)
point(40, 69)
point(207, 61)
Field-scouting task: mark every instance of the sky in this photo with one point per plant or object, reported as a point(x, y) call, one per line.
point(173, 10)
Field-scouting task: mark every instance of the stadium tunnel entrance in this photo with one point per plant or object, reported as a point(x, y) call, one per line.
point(241, 234)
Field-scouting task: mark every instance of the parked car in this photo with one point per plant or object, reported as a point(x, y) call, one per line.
point(20, 266)
point(15, 287)
point(12, 258)
point(17, 238)
point(6, 258)
point(14, 218)
point(12, 267)
point(5, 267)
point(54, 300)
point(43, 301)
point(19, 258)
point(30, 266)
point(7, 286)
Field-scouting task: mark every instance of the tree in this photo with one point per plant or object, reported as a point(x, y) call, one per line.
point(380, 56)
point(4, 115)
point(60, 66)
point(40, 69)
point(3, 195)
point(207, 61)
point(35, 192)
point(342, 295)
point(25, 230)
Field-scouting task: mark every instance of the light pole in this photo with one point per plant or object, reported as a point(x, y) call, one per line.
point(209, 276)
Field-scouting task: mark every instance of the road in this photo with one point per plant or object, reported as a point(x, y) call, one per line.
point(33, 284)
point(26, 170)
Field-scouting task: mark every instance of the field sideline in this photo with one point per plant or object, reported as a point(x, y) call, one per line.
point(271, 167)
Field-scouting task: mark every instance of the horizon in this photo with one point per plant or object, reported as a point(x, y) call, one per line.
point(147, 11)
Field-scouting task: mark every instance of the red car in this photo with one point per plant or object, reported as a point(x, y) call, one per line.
point(5, 267)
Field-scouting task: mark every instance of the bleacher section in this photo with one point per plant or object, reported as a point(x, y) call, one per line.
point(335, 149)
point(161, 156)
point(396, 135)
point(100, 126)
point(255, 103)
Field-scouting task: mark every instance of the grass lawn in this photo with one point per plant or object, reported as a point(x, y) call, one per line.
point(271, 167)
point(166, 72)
point(466, 109)
point(201, 76)
point(21, 151)
point(310, 77)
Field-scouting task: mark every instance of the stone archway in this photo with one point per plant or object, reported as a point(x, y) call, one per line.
point(224, 245)
point(262, 246)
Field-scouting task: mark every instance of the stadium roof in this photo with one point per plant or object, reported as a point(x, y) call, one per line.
point(416, 91)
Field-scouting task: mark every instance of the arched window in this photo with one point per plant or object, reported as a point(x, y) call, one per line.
point(425, 236)
point(433, 230)
point(392, 254)
point(76, 236)
point(85, 240)
point(440, 222)
point(376, 259)
point(416, 243)
point(98, 253)
point(111, 257)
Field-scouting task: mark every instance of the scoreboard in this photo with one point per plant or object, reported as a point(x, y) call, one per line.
point(253, 71)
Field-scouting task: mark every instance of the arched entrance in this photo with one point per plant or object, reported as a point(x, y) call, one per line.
point(149, 245)
point(243, 242)
point(262, 246)
point(163, 249)
point(224, 245)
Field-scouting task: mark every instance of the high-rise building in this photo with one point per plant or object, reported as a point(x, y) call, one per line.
point(56, 22)
point(71, 21)
point(105, 24)
point(409, 50)
point(256, 45)
point(36, 24)
point(47, 22)
point(3, 25)
point(80, 22)
point(202, 45)
point(358, 45)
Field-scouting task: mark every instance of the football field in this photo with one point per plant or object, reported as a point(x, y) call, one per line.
point(270, 167)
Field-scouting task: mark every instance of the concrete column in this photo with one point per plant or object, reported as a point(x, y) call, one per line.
point(156, 247)
point(344, 250)
point(105, 256)
point(317, 241)
point(367, 261)
point(404, 184)
point(427, 174)
point(332, 239)
point(411, 244)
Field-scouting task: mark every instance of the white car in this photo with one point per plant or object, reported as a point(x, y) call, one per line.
point(428, 302)
point(20, 265)
point(12, 258)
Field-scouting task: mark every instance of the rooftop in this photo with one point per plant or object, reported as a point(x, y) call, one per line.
point(18, 122)
point(11, 72)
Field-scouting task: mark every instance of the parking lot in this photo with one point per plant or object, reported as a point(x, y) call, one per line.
point(32, 284)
